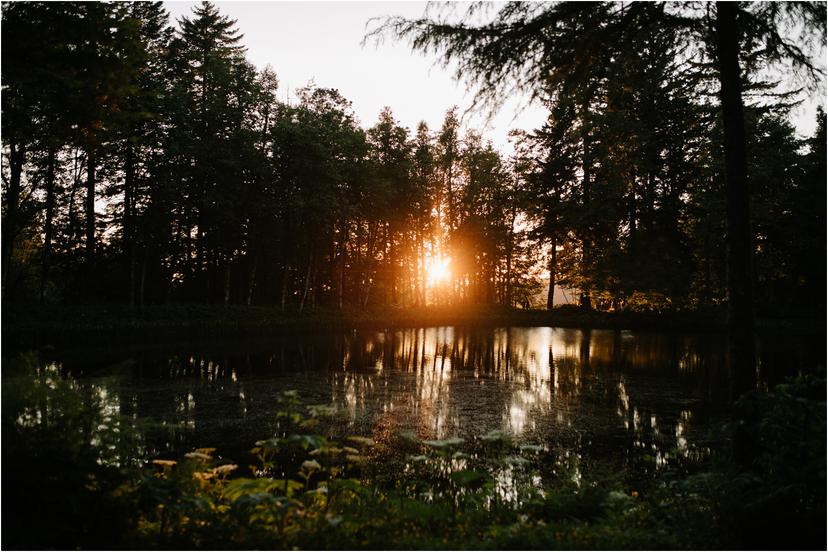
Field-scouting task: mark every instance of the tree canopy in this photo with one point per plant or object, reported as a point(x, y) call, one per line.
point(151, 163)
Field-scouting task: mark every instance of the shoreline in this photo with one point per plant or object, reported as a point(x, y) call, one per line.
point(24, 326)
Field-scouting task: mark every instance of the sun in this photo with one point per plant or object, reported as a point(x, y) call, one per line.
point(438, 270)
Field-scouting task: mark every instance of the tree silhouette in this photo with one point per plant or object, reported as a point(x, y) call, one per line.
point(149, 165)
point(566, 49)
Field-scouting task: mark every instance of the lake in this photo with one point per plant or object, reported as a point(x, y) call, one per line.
point(592, 394)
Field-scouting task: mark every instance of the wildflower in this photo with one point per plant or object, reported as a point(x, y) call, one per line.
point(311, 465)
point(361, 440)
point(355, 459)
point(197, 456)
point(333, 520)
point(224, 469)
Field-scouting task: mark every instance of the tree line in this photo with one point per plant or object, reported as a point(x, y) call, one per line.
point(145, 163)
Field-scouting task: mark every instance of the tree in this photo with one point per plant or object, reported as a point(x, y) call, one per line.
point(427, 188)
point(318, 153)
point(218, 89)
point(204, 187)
point(22, 44)
point(760, 25)
point(390, 155)
point(530, 47)
point(142, 139)
point(72, 69)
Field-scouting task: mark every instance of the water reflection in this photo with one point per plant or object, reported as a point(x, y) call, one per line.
point(642, 398)
point(589, 393)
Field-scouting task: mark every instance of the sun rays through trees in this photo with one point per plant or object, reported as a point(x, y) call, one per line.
point(148, 161)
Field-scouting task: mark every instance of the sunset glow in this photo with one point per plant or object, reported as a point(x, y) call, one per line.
point(438, 270)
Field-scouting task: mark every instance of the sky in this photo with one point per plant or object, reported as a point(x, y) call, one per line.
point(322, 42)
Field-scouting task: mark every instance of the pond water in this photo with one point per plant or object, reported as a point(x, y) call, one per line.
point(593, 393)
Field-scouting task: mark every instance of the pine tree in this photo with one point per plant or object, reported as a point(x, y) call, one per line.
point(532, 48)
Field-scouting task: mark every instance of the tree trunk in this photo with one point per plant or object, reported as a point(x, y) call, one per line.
point(586, 300)
point(307, 283)
point(50, 215)
point(200, 257)
point(129, 207)
point(421, 298)
point(252, 280)
point(313, 289)
point(392, 262)
point(450, 195)
point(553, 268)
point(373, 231)
point(507, 287)
point(406, 269)
point(650, 204)
point(185, 230)
point(708, 269)
point(227, 281)
point(17, 157)
point(285, 276)
point(340, 287)
point(741, 346)
point(342, 279)
point(90, 205)
point(633, 215)
point(143, 280)
point(77, 171)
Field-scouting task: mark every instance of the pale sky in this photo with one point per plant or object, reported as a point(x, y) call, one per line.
point(321, 41)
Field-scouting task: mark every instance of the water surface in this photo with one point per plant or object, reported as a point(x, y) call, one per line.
point(593, 393)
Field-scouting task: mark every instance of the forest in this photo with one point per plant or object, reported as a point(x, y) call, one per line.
point(151, 163)
point(237, 318)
